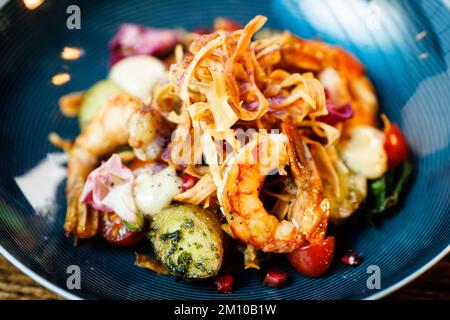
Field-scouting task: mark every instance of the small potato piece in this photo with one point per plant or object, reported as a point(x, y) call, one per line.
point(188, 241)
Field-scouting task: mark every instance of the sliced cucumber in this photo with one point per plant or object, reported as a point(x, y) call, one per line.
point(96, 97)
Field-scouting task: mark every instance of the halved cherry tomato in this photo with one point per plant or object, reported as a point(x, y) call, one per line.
point(394, 144)
point(314, 259)
point(114, 231)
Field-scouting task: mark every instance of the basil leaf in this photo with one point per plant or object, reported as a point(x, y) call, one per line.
point(378, 195)
point(385, 192)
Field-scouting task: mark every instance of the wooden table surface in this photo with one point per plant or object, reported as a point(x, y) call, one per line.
point(434, 284)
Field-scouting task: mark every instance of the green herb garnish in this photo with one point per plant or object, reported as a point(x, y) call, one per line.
point(385, 192)
point(174, 236)
point(182, 265)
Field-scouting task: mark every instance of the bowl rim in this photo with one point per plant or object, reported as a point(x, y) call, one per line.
point(408, 279)
point(70, 296)
point(35, 276)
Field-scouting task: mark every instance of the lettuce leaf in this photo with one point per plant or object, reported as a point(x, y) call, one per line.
point(385, 192)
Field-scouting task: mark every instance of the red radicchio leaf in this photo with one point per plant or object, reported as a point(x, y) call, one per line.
point(132, 39)
point(116, 56)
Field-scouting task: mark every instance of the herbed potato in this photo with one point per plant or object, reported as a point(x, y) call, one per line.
point(188, 241)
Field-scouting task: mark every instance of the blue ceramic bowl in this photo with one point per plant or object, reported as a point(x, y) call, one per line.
point(405, 46)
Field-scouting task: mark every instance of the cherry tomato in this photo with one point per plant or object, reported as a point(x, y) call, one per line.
point(114, 231)
point(395, 145)
point(314, 259)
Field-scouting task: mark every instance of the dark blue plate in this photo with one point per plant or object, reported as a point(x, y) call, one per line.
point(405, 46)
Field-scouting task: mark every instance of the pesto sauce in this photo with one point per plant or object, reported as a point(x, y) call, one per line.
point(174, 236)
point(182, 265)
point(188, 224)
point(183, 262)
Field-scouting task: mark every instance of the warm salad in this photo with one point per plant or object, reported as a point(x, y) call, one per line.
point(227, 140)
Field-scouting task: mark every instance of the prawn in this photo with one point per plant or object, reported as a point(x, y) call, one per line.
point(239, 195)
point(123, 119)
point(340, 73)
point(360, 143)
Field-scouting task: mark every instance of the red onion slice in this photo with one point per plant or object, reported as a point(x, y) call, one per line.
point(337, 114)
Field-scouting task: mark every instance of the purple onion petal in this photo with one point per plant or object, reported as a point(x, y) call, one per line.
point(252, 106)
point(337, 114)
point(276, 101)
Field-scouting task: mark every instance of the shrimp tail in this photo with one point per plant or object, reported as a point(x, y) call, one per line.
point(310, 209)
point(301, 161)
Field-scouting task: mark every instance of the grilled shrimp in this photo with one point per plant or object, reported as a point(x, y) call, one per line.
point(124, 119)
point(248, 219)
point(339, 72)
point(361, 143)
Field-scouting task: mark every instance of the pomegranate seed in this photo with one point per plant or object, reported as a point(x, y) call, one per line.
point(224, 283)
point(188, 181)
point(275, 278)
point(351, 258)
